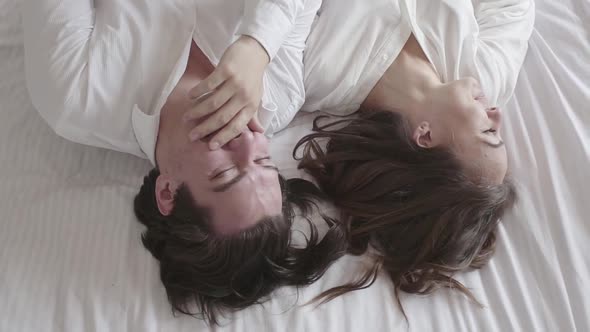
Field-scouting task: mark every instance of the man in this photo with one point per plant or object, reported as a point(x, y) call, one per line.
point(118, 75)
point(142, 77)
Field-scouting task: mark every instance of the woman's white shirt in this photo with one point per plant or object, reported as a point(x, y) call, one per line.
point(353, 43)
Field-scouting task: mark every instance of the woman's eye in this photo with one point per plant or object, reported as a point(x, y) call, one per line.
point(490, 131)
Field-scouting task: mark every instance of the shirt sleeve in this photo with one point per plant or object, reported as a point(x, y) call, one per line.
point(505, 27)
point(484, 39)
point(283, 96)
point(79, 72)
point(270, 22)
point(56, 39)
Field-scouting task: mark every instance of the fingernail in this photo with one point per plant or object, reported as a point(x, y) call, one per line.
point(186, 118)
point(214, 146)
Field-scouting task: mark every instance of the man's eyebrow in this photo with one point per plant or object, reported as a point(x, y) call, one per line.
point(494, 145)
point(226, 186)
point(274, 168)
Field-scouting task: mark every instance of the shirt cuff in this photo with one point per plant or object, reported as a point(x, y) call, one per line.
point(267, 112)
point(269, 24)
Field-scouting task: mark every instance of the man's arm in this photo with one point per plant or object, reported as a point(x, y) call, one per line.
point(57, 36)
point(76, 72)
point(270, 21)
point(236, 84)
point(89, 62)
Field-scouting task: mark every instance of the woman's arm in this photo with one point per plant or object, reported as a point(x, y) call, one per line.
point(505, 27)
point(485, 39)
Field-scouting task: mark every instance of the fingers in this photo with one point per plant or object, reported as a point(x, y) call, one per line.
point(217, 121)
point(232, 130)
point(211, 83)
point(210, 103)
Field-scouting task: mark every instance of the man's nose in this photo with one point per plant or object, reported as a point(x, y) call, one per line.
point(495, 115)
point(243, 146)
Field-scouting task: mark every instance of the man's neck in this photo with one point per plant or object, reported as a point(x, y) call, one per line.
point(178, 102)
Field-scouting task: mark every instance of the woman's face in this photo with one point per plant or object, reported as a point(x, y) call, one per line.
point(465, 123)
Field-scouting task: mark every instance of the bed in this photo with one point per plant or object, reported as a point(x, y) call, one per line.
point(71, 257)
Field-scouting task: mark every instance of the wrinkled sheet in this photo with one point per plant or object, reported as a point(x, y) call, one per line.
point(71, 257)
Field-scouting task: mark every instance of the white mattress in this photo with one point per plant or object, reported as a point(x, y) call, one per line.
point(71, 257)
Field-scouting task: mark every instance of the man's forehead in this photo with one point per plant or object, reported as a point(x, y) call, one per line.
point(246, 203)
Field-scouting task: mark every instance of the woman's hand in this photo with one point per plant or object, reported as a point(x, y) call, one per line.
point(231, 94)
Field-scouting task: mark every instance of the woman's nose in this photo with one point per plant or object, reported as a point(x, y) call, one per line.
point(495, 115)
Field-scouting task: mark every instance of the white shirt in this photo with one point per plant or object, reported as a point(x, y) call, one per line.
point(100, 72)
point(354, 42)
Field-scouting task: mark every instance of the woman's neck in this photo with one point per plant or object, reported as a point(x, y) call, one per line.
point(406, 84)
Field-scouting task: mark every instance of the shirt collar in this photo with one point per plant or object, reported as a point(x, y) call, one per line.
point(145, 128)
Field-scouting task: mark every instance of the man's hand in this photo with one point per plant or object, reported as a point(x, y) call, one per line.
point(234, 91)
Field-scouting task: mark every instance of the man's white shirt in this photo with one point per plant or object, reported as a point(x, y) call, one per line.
point(99, 72)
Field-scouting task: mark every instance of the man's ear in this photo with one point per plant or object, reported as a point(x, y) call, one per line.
point(165, 191)
point(423, 135)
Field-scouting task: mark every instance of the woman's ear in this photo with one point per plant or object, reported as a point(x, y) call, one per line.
point(423, 135)
point(165, 191)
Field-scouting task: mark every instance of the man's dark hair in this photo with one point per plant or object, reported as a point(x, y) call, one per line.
point(206, 274)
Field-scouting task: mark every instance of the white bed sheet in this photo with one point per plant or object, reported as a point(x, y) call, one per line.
point(71, 258)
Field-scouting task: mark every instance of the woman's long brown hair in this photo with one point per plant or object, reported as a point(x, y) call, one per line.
point(425, 218)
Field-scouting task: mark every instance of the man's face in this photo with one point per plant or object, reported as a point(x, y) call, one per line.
point(237, 183)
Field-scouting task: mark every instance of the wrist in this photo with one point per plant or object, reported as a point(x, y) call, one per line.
point(253, 44)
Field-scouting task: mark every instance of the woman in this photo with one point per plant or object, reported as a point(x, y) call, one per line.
point(420, 171)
